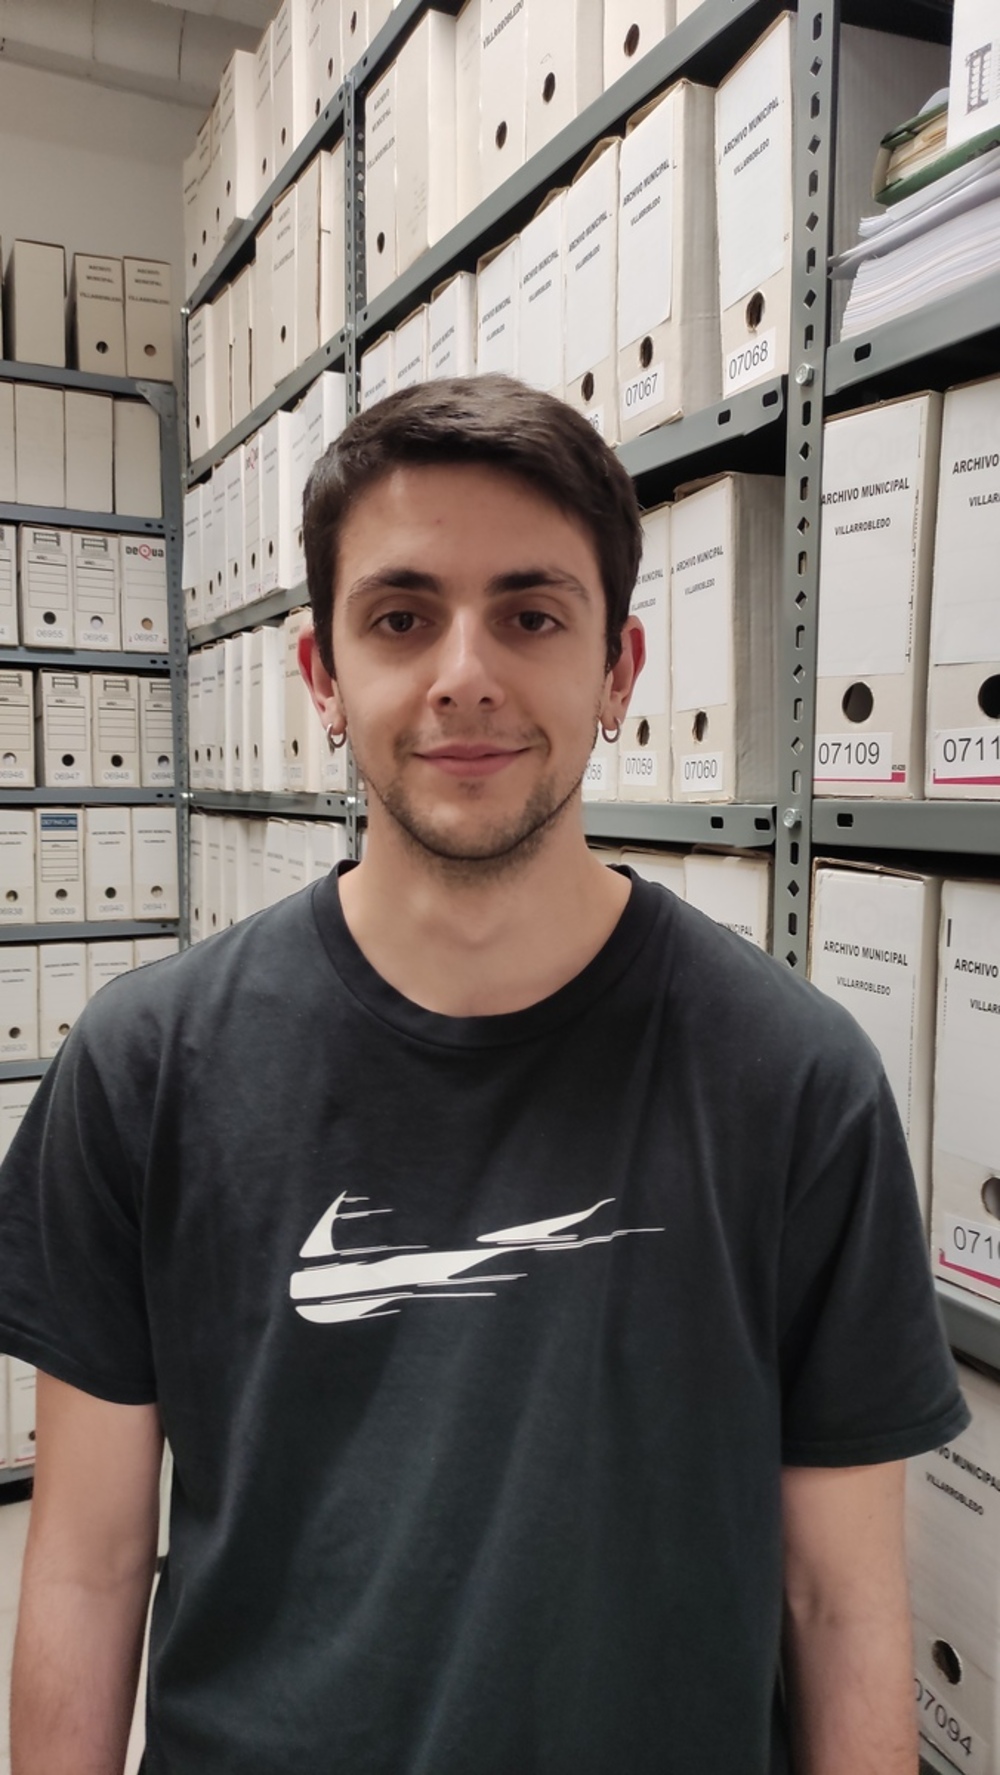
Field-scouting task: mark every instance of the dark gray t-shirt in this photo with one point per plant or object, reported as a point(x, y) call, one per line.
point(480, 1342)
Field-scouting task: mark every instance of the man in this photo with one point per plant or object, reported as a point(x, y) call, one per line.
point(525, 1272)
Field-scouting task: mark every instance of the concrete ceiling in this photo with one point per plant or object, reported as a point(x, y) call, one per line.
point(174, 52)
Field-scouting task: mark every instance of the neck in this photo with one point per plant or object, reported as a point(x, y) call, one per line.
point(477, 942)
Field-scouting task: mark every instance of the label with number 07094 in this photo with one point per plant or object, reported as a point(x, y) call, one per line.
point(938, 1721)
point(972, 1249)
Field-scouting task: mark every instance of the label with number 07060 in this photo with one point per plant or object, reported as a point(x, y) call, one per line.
point(972, 1249)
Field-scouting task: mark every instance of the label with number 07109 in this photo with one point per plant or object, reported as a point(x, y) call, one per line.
point(856, 758)
point(972, 1249)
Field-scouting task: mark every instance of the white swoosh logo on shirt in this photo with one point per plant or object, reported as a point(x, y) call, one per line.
point(370, 1282)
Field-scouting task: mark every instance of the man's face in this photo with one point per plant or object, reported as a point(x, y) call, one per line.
point(469, 643)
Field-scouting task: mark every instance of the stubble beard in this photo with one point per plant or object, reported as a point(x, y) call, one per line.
point(499, 849)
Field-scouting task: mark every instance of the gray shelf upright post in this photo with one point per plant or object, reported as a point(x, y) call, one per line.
point(162, 397)
point(354, 211)
point(817, 45)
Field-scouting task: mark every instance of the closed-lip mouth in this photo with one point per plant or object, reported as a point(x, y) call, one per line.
point(457, 751)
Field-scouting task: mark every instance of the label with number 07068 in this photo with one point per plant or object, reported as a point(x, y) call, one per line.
point(753, 361)
point(972, 1249)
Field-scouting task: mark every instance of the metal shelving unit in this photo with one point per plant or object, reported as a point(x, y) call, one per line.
point(275, 803)
point(84, 797)
point(932, 1762)
point(736, 826)
point(119, 930)
point(85, 659)
point(245, 616)
point(952, 340)
point(22, 1069)
point(948, 827)
point(52, 376)
point(329, 357)
point(59, 517)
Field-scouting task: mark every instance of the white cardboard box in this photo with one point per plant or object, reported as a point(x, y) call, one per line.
point(9, 626)
point(8, 453)
point(503, 91)
point(218, 323)
point(540, 297)
point(725, 546)
point(974, 83)
point(233, 711)
point(59, 865)
point(211, 714)
point(63, 728)
point(154, 862)
point(145, 613)
point(664, 867)
point(600, 779)
point(468, 86)
point(89, 451)
point(264, 670)
point(240, 347)
point(17, 862)
point(668, 317)
point(19, 1001)
point(591, 288)
point(378, 371)
point(451, 328)
point(303, 734)
point(215, 536)
point(380, 184)
point(156, 733)
point(497, 305)
point(201, 383)
point(138, 490)
point(966, 1206)
point(880, 471)
point(251, 516)
point(114, 726)
point(196, 875)
point(644, 766)
point(149, 320)
point(735, 891)
point(953, 1536)
point(565, 72)
point(238, 144)
point(15, 1096)
point(107, 961)
point(97, 306)
point(262, 375)
point(631, 28)
point(39, 445)
point(411, 350)
point(235, 533)
point(20, 1412)
point(35, 303)
point(46, 587)
point(62, 993)
point(426, 183)
point(290, 78)
point(96, 590)
point(307, 261)
point(283, 301)
point(192, 223)
point(873, 947)
point(963, 698)
point(332, 266)
point(17, 730)
point(107, 863)
point(266, 168)
point(276, 504)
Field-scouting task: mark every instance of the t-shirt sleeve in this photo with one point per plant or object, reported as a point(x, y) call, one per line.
point(867, 1375)
point(71, 1273)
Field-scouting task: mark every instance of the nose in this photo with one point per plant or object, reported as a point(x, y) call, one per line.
point(465, 667)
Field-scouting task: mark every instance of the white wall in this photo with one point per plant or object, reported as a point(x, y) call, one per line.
point(96, 170)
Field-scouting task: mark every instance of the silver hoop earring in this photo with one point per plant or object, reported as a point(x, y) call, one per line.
point(335, 740)
point(610, 737)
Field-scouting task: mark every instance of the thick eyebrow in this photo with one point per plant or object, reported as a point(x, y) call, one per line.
point(410, 579)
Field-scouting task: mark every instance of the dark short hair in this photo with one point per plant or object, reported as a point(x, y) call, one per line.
point(483, 419)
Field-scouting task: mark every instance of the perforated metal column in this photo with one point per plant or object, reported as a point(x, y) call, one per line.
point(354, 210)
point(162, 397)
point(816, 62)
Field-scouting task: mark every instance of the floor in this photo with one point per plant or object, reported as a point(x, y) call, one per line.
point(13, 1532)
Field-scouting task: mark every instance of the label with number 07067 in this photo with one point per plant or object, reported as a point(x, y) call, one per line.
point(972, 1249)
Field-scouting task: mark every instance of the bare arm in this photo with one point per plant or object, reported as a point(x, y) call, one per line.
point(848, 1651)
point(88, 1570)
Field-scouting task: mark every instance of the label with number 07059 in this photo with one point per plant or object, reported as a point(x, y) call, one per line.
point(938, 1721)
point(972, 1249)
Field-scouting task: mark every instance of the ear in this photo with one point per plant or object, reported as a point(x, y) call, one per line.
point(620, 681)
point(322, 688)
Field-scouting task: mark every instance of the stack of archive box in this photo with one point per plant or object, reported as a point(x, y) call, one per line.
point(89, 843)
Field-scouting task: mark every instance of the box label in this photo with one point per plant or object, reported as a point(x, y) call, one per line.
point(972, 1249)
point(938, 1721)
point(639, 767)
point(701, 772)
point(860, 758)
point(753, 362)
point(643, 392)
point(966, 755)
point(597, 776)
